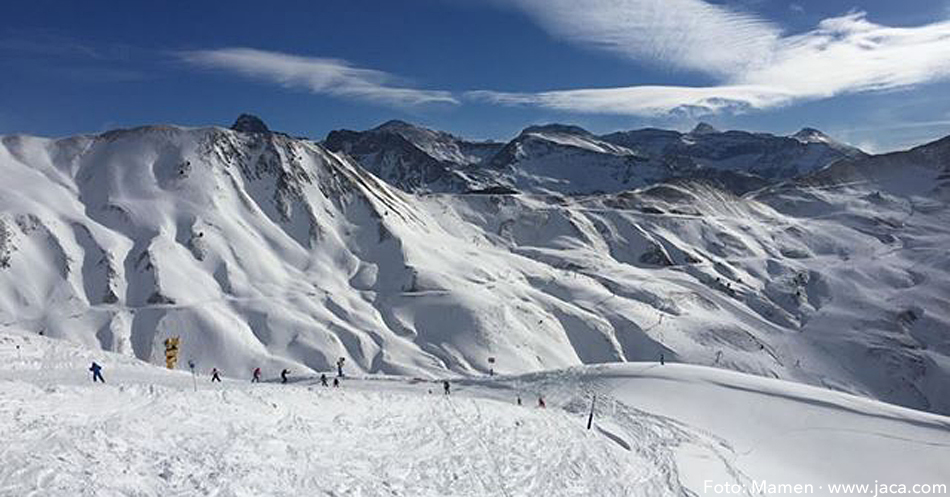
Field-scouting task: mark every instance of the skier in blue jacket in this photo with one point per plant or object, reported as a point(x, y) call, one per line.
point(96, 372)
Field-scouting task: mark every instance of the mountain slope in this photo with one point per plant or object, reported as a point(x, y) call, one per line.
point(568, 159)
point(263, 250)
point(413, 158)
point(761, 154)
point(216, 235)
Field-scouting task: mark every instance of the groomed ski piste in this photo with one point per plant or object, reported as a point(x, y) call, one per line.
point(658, 430)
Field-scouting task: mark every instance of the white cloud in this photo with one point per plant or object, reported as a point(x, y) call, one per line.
point(318, 75)
point(851, 54)
point(757, 68)
point(644, 100)
point(688, 34)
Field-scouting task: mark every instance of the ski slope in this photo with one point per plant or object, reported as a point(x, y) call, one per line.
point(659, 430)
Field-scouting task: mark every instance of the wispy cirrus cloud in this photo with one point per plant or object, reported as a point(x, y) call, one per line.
point(319, 75)
point(756, 65)
point(644, 100)
point(686, 34)
point(850, 54)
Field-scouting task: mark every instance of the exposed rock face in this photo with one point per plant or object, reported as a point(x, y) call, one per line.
point(416, 159)
point(247, 123)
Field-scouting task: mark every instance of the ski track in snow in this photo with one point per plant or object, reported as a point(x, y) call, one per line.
point(148, 432)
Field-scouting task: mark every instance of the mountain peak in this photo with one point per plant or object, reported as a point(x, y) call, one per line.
point(569, 129)
point(395, 125)
point(811, 135)
point(249, 123)
point(704, 128)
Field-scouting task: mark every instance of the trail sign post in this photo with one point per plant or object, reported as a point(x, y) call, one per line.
point(194, 376)
point(590, 419)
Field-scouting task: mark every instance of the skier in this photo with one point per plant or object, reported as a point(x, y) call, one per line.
point(336, 383)
point(96, 372)
point(257, 376)
point(662, 360)
point(446, 387)
point(214, 375)
point(323, 379)
point(541, 403)
point(519, 400)
point(339, 367)
point(283, 375)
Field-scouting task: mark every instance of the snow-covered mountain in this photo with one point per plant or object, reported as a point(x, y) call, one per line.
point(761, 154)
point(414, 158)
point(565, 159)
point(259, 249)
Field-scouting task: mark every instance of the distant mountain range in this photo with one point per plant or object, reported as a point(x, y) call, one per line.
point(565, 159)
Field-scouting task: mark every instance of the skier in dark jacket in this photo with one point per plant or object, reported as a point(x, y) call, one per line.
point(96, 372)
point(283, 375)
point(336, 383)
point(541, 403)
point(339, 367)
point(256, 378)
point(446, 388)
point(215, 375)
point(323, 379)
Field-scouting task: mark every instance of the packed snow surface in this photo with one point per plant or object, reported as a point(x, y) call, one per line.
point(658, 430)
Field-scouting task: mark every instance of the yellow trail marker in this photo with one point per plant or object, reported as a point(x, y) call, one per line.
point(171, 352)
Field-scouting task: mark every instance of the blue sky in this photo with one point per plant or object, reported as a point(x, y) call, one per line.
point(875, 73)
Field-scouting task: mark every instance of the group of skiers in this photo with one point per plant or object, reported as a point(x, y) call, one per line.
point(96, 370)
point(284, 376)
